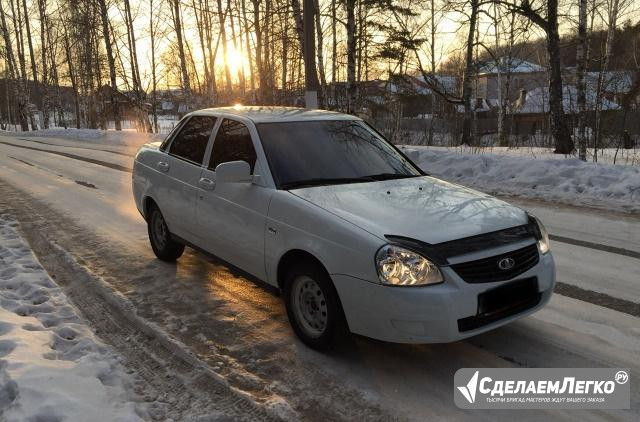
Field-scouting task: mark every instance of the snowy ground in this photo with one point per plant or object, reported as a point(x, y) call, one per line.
point(110, 137)
point(627, 157)
point(529, 174)
point(52, 368)
point(207, 341)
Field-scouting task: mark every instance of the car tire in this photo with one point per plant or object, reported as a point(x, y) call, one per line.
point(313, 306)
point(162, 244)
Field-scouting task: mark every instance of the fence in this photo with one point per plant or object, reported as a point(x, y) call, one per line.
point(523, 129)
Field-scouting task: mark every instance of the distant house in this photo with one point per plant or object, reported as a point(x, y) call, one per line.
point(173, 102)
point(446, 84)
point(422, 96)
point(375, 96)
point(537, 101)
point(615, 83)
point(492, 76)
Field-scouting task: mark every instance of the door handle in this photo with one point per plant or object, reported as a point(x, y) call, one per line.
point(207, 184)
point(162, 166)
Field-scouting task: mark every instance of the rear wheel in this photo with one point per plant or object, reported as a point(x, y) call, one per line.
point(163, 246)
point(313, 306)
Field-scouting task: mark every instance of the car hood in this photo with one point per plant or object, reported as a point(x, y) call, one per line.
point(422, 208)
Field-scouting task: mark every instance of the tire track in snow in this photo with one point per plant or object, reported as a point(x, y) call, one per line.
point(74, 157)
point(178, 384)
point(77, 147)
point(597, 298)
point(596, 246)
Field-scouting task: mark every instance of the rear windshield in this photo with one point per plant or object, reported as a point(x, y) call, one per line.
point(330, 152)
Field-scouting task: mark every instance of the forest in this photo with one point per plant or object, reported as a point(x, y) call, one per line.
point(99, 63)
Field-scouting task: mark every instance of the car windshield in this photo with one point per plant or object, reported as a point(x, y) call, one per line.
point(326, 152)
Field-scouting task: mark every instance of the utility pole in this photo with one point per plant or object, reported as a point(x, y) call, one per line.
point(310, 76)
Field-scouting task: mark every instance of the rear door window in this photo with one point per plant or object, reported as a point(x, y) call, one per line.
point(191, 142)
point(233, 143)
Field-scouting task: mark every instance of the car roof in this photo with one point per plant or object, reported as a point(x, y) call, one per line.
point(271, 114)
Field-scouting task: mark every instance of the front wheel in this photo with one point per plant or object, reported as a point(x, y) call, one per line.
point(163, 246)
point(313, 307)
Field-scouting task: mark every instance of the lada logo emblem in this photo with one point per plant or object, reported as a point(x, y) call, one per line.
point(506, 263)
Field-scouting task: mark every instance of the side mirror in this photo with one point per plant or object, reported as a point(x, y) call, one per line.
point(233, 172)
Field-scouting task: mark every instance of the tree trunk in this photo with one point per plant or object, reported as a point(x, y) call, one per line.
point(112, 65)
point(55, 79)
point(559, 127)
point(432, 45)
point(72, 77)
point(177, 21)
point(505, 94)
point(259, 62)
point(359, 38)
point(468, 77)
point(581, 68)
point(237, 46)
point(43, 49)
point(34, 70)
point(24, 77)
point(285, 48)
point(320, 53)
point(16, 14)
point(334, 42)
point(135, 69)
point(154, 81)
point(611, 32)
point(247, 39)
point(199, 14)
point(18, 91)
point(223, 35)
point(297, 18)
point(351, 56)
point(213, 52)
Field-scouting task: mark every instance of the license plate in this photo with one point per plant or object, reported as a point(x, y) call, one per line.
point(507, 297)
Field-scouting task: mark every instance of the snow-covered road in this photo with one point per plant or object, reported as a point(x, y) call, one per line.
point(77, 197)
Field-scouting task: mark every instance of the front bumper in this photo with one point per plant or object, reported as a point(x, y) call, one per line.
point(428, 314)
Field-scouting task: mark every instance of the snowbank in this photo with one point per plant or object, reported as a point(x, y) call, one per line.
point(568, 180)
point(51, 366)
point(112, 137)
point(625, 157)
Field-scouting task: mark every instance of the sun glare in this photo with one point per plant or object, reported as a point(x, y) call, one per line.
point(235, 59)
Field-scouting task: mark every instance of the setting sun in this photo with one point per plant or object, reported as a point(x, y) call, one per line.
point(235, 59)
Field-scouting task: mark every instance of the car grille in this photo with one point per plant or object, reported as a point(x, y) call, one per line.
point(486, 270)
point(509, 299)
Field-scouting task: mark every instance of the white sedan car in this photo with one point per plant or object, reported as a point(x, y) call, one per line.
point(355, 236)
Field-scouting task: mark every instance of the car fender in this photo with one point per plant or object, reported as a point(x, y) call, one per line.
point(147, 181)
point(296, 224)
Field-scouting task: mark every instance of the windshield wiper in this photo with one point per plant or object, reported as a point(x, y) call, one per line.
point(324, 181)
point(390, 176)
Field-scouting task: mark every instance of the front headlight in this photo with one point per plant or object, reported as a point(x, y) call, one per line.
point(402, 267)
point(542, 235)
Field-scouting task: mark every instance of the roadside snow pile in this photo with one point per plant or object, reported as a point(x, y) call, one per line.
point(628, 157)
point(112, 137)
point(51, 366)
point(568, 181)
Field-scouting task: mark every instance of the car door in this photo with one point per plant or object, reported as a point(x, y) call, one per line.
point(232, 216)
point(182, 165)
